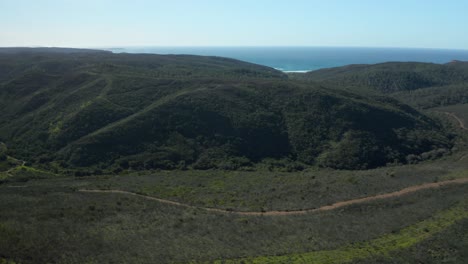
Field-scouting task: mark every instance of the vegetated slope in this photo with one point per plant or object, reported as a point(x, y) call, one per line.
point(151, 111)
point(393, 76)
point(435, 96)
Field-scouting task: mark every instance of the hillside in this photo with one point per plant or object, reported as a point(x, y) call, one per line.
point(392, 76)
point(119, 111)
point(434, 96)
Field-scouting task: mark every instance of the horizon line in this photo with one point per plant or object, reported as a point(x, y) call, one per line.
point(226, 46)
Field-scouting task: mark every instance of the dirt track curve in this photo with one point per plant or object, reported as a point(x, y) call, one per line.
point(337, 205)
point(460, 122)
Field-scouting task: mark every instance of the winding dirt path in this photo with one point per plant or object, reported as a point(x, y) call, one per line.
point(460, 122)
point(334, 206)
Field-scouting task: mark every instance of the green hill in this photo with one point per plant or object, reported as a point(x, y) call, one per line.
point(103, 110)
point(393, 76)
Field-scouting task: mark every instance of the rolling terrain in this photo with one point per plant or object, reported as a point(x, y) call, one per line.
point(121, 158)
point(421, 85)
point(101, 111)
point(392, 77)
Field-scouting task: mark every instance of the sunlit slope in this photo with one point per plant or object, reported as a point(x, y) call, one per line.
point(151, 111)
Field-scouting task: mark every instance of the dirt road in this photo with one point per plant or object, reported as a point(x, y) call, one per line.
point(337, 205)
point(460, 122)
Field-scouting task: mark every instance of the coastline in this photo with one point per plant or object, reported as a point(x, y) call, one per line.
point(305, 59)
point(297, 71)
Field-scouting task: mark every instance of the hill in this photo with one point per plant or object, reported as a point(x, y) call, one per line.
point(392, 76)
point(119, 111)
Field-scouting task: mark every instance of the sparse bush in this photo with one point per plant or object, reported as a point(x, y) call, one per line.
point(413, 159)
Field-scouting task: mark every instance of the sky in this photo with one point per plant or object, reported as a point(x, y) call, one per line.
point(346, 23)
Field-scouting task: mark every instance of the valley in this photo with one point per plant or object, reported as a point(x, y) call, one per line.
point(138, 158)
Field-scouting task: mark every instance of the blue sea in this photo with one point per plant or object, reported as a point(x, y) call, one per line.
point(301, 59)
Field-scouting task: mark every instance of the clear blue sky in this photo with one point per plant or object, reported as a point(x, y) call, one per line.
point(103, 23)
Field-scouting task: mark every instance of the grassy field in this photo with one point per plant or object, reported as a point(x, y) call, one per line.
point(49, 220)
point(382, 246)
point(265, 190)
point(448, 246)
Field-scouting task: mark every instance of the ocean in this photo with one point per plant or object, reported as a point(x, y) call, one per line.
point(301, 59)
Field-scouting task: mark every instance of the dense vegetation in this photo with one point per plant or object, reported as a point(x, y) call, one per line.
point(435, 96)
point(422, 85)
point(392, 76)
point(103, 111)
